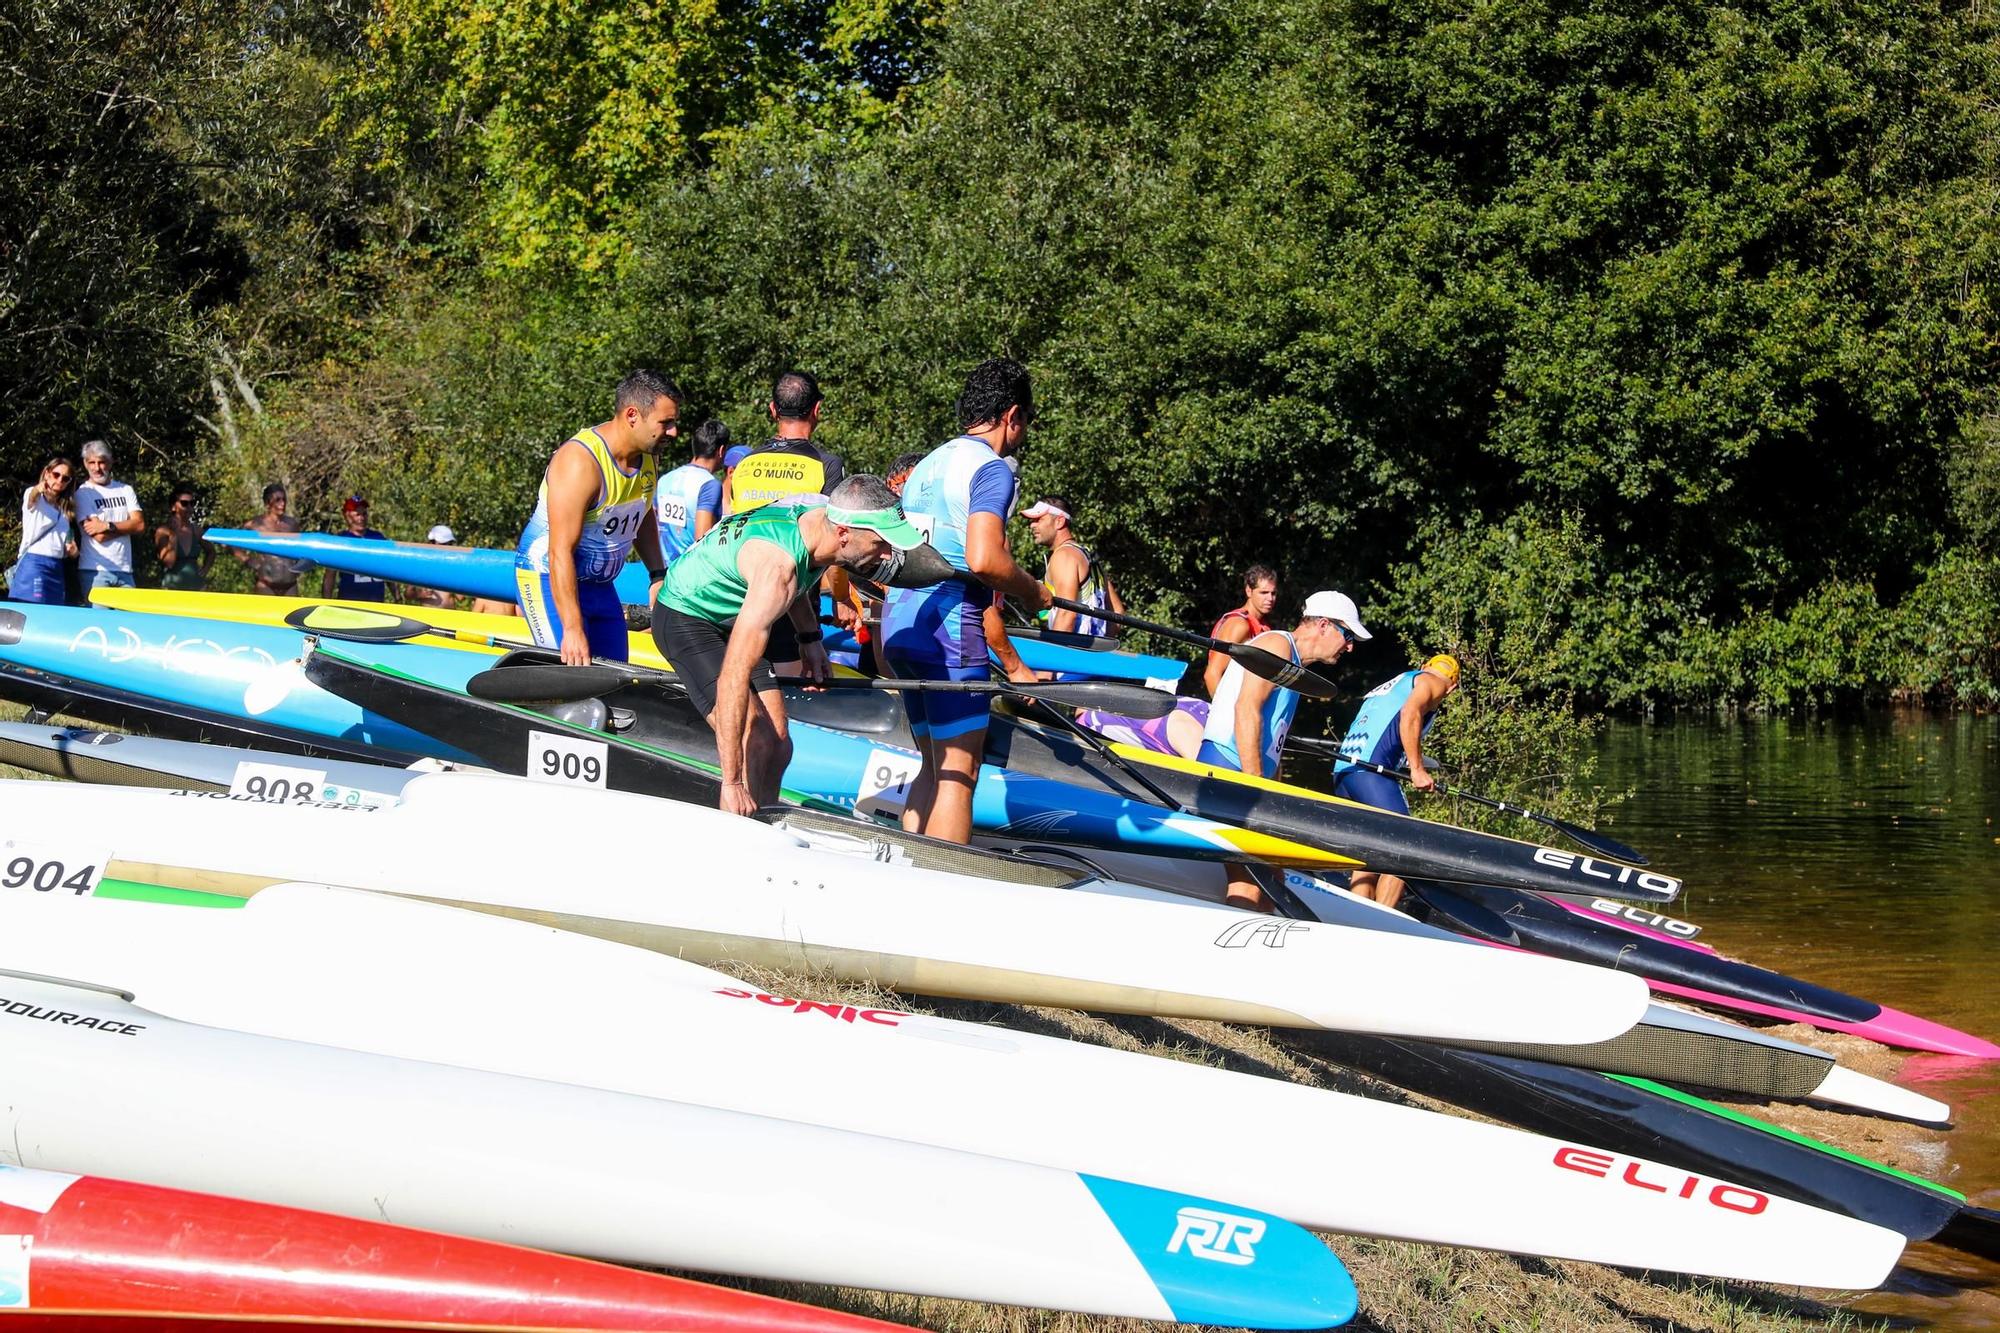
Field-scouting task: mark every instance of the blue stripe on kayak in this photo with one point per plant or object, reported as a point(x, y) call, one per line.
point(1215, 1263)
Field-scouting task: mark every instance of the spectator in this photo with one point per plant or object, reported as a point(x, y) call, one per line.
point(435, 598)
point(276, 575)
point(184, 556)
point(355, 587)
point(47, 538)
point(107, 513)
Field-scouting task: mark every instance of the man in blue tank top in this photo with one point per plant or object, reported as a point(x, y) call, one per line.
point(960, 496)
point(1251, 716)
point(1389, 730)
point(688, 501)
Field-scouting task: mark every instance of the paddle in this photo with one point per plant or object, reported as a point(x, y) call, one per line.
point(1251, 658)
point(555, 684)
point(1596, 843)
point(552, 682)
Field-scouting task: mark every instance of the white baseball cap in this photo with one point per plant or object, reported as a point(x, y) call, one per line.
point(441, 535)
point(1337, 606)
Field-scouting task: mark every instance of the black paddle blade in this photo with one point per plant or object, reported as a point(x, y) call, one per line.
point(920, 567)
point(1598, 845)
point(1277, 670)
point(1109, 695)
point(553, 683)
point(356, 625)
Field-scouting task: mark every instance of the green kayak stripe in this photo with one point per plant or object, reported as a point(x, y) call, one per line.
point(1779, 1131)
point(133, 891)
point(544, 720)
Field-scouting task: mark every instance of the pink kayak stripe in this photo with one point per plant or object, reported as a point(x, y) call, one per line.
point(1891, 1027)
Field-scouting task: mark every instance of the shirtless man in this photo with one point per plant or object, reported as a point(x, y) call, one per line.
point(1246, 622)
point(275, 575)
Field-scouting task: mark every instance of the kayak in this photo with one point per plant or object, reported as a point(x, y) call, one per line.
point(646, 740)
point(88, 1245)
point(740, 890)
point(489, 573)
point(254, 609)
point(250, 672)
point(447, 986)
point(1666, 1044)
point(1624, 1116)
point(656, 732)
point(110, 1088)
point(81, 754)
point(1365, 837)
point(1523, 921)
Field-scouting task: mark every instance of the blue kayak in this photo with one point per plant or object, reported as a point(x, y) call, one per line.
point(472, 571)
point(251, 672)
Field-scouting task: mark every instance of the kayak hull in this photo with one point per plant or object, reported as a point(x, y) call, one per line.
point(91, 1245)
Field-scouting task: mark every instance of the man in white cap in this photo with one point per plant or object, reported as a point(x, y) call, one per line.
point(1072, 572)
point(439, 535)
point(1252, 716)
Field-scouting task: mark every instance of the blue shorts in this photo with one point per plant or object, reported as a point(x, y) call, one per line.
point(603, 615)
point(942, 716)
point(1358, 784)
point(107, 578)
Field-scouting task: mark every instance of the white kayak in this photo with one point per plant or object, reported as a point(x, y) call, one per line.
point(712, 887)
point(100, 1086)
point(1668, 1044)
point(497, 994)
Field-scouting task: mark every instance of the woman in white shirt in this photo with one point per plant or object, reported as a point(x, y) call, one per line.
point(47, 534)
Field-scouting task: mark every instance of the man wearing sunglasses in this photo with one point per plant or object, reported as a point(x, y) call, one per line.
point(1389, 730)
point(1251, 716)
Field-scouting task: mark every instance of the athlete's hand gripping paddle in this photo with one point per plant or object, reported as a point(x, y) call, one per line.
point(1251, 658)
point(1596, 843)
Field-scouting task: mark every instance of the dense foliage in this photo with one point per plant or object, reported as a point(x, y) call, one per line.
point(1641, 352)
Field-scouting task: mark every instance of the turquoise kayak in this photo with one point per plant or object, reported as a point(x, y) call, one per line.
point(252, 672)
point(472, 571)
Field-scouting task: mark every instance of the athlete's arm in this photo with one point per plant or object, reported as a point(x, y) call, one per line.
point(647, 544)
point(1003, 649)
point(1233, 630)
point(573, 482)
point(1111, 597)
point(1424, 693)
point(707, 508)
point(1250, 713)
point(772, 587)
point(1066, 571)
point(845, 613)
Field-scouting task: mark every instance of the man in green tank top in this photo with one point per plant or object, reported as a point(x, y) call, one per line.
point(715, 611)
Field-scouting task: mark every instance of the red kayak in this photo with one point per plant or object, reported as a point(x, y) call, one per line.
point(83, 1245)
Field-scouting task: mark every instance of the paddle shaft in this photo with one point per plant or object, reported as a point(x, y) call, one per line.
point(1251, 658)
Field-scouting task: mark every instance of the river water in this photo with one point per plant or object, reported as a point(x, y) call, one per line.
point(1862, 855)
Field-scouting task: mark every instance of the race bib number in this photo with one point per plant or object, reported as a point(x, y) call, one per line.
point(34, 868)
point(923, 523)
point(278, 783)
point(567, 759)
point(885, 786)
point(673, 513)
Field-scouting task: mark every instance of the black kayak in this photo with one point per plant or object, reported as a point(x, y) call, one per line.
point(1623, 1116)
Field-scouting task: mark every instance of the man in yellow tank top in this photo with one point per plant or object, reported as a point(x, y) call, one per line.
point(595, 507)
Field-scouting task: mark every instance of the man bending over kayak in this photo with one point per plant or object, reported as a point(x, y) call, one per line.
point(1251, 716)
point(1388, 730)
point(714, 614)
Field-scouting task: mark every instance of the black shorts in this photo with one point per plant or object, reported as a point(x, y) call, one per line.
point(694, 648)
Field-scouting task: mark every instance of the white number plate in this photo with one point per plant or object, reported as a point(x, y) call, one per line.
point(277, 782)
point(70, 872)
point(885, 786)
point(557, 758)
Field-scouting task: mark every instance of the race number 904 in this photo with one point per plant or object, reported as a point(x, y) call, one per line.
point(44, 872)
